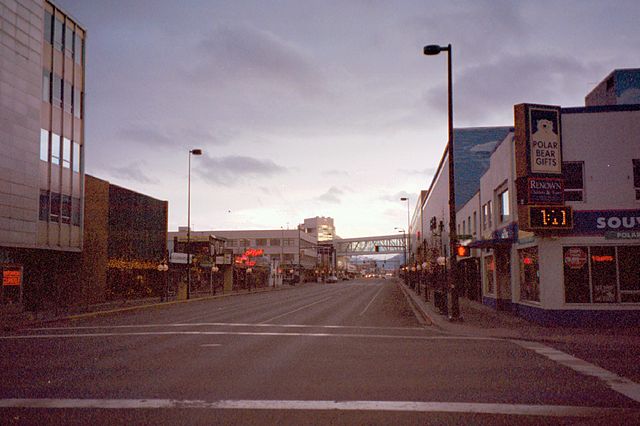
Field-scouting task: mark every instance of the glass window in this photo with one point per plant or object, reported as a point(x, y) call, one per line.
point(636, 177)
point(489, 268)
point(58, 34)
point(66, 153)
point(78, 49)
point(261, 242)
point(232, 243)
point(489, 214)
point(44, 205)
point(54, 213)
point(75, 212)
point(76, 157)
point(48, 33)
point(529, 274)
point(464, 226)
point(44, 145)
point(46, 85)
point(274, 242)
point(503, 199)
point(77, 103)
point(67, 96)
point(55, 148)
point(475, 223)
point(573, 173)
point(65, 210)
point(603, 274)
point(56, 92)
point(629, 268)
point(576, 274)
point(68, 41)
point(485, 215)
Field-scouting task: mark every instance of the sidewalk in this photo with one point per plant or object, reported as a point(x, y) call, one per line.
point(12, 318)
point(482, 321)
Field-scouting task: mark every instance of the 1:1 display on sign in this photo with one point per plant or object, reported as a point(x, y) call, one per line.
point(550, 217)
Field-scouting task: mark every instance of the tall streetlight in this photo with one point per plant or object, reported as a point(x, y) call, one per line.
point(408, 228)
point(454, 312)
point(191, 152)
point(404, 238)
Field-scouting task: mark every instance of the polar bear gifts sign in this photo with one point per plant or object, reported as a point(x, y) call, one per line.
point(545, 148)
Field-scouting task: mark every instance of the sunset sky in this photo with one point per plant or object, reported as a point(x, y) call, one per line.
point(321, 108)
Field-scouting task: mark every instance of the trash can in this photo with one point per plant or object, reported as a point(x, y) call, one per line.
point(440, 301)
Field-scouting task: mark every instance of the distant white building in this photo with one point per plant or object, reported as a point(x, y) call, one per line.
point(289, 248)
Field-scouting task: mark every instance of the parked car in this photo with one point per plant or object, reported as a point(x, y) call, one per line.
point(331, 279)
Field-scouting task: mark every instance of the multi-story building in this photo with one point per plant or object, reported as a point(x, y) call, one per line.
point(320, 226)
point(125, 235)
point(42, 77)
point(285, 248)
point(555, 220)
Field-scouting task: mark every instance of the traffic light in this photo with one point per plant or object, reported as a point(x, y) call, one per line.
point(377, 248)
point(462, 251)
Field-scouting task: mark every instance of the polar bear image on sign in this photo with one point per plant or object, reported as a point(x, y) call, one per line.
point(545, 131)
point(545, 148)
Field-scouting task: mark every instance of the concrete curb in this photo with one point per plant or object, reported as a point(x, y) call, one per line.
point(423, 317)
point(92, 314)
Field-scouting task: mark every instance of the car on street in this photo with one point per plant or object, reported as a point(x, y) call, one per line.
point(332, 279)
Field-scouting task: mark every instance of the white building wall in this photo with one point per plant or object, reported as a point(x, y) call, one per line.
point(437, 205)
point(606, 142)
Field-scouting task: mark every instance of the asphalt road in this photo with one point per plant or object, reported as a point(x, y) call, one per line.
point(346, 353)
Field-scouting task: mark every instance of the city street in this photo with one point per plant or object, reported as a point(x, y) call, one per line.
point(345, 353)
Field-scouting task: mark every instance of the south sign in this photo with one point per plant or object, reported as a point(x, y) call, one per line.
point(599, 222)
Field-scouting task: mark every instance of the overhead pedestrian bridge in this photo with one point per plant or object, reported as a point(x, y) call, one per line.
point(385, 244)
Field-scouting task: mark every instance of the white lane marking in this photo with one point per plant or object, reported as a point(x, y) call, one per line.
point(223, 324)
point(244, 333)
point(296, 310)
point(371, 301)
point(211, 345)
point(619, 384)
point(404, 406)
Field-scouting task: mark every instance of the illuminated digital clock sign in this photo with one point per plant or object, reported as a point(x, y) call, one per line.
point(550, 217)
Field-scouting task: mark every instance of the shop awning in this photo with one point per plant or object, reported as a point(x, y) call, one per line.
point(492, 243)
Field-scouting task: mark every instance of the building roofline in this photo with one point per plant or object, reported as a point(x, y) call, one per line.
point(600, 108)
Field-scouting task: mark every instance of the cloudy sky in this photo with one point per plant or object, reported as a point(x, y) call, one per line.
point(321, 108)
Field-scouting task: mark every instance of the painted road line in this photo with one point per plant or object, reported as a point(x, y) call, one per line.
point(224, 324)
point(211, 345)
point(402, 406)
point(622, 385)
point(296, 310)
point(371, 301)
point(243, 333)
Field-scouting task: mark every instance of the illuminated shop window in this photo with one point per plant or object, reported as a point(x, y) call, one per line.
point(602, 274)
point(489, 269)
point(529, 274)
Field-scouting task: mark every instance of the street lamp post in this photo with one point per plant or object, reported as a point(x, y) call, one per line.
point(454, 312)
point(191, 152)
point(163, 267)
point(408, 227)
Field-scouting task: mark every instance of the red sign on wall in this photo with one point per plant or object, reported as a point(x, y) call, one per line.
point(11, 277)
